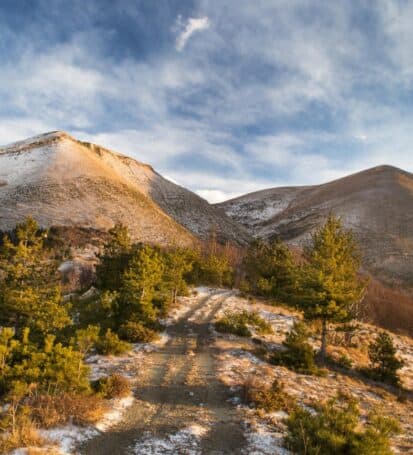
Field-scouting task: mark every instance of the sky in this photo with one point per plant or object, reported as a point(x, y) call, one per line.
point(223, 97)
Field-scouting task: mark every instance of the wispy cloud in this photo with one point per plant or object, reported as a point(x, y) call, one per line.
point(192, 25)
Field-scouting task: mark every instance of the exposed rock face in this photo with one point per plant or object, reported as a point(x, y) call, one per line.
point(61, 181)
point(377, 204)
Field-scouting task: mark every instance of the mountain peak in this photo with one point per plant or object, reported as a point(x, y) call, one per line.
point(385, 168)
point(36, 141)
point(63, 181)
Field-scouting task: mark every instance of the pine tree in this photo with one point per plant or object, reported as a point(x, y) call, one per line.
point(330, 286)
point(384, 363)
point(270, 270)
point(115, 258)
point(29, 291)
point(48, 366)
point(298, 354)
point(139, 284)
point(178, 264)
point(336, 428)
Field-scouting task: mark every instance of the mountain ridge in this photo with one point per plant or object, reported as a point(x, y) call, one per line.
point(377, 204)
point(62, 181)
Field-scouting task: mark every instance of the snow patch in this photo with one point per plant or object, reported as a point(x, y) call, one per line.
point(186, 441)
point(115, 414)
point(263, 439)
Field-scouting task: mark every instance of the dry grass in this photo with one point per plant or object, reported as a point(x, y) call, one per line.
point(389, 308)
point(25, 435)
point(49, 411)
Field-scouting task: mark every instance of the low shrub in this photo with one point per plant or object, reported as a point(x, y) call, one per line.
point(269, 398)
point(343, 361)
point(135, 332)
point(384, 364)
point(298, 354)
point(336, 428)
point(53, 410)
point(110, 344)
point(113, 386)
point(240, 323)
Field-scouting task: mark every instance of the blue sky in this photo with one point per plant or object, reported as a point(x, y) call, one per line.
point(222, 96)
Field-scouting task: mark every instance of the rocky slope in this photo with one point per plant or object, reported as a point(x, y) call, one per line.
point(377, 204)
point(61, 181)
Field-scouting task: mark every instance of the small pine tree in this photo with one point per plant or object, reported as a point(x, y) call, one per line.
point(298, 354)
point(384, 363)
point(29, 293)
point(270, 270)
point(115, 258)
point(330, 286)
point(335, 429)
point(212, 270)
point(139, 284)
point(50, 367)
point(178, 263)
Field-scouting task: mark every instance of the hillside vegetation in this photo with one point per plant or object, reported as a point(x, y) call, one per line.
point(46, 337)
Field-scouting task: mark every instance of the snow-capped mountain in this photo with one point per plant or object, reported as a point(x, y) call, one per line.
point(62, 181)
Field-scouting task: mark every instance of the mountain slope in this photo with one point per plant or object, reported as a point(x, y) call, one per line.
point(62, 181)
point(377, 204)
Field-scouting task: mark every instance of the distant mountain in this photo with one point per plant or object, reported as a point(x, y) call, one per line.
point(62, 181)
point(377, 204)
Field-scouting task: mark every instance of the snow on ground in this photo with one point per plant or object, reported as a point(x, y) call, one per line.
point(185, 442)
point(125, 364)
point(115, 414)
point(264, 439)
point(64, 439)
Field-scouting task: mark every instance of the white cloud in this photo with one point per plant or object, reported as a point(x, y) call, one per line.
point(16, 129)
point(192, 26)
point(215, 196)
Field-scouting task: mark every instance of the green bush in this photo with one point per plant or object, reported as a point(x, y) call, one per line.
point(51, 367)
point(240, 323)
point(211, 270)
point(135, 332)
point(383, 360)
point(231, 324)
point(335, 428)
point(269, 270)
point(342, 362)
point(298, 354)
point(110, 344)
point(113, 386)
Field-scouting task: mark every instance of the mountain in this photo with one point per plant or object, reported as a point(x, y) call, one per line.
point(377, 204)
point(62, 181)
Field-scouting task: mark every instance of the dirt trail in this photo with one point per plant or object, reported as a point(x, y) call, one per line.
point(178, 387)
